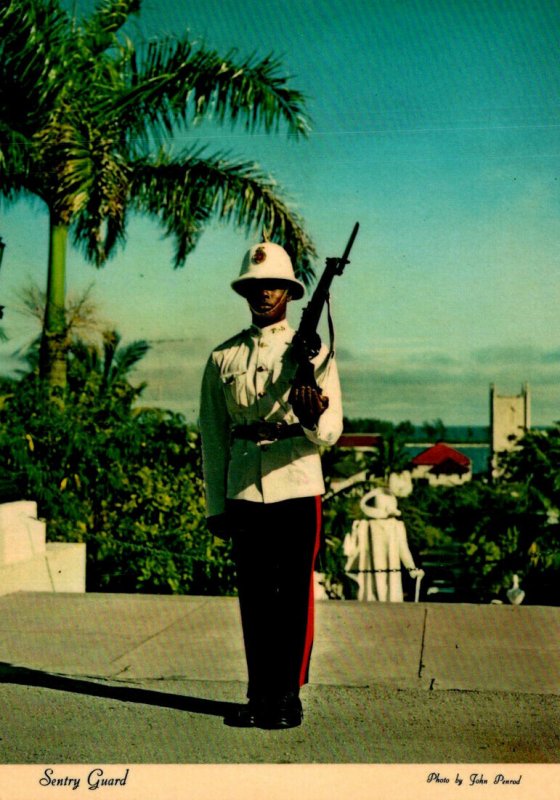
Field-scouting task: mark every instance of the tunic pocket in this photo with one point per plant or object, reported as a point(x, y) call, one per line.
point(235, 388)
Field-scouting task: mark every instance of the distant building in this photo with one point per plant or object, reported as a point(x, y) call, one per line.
point(442, 465)
point(510, 418)
point(362, 442)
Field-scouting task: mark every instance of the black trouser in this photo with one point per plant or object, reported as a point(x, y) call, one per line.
point(275, 546)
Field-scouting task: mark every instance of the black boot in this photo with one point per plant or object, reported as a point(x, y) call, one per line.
point(283, 712)
point(247, 716)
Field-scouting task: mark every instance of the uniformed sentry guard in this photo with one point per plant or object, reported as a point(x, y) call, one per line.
point(264, 482)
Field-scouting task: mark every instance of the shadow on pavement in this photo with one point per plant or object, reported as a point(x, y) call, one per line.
point(33, 677)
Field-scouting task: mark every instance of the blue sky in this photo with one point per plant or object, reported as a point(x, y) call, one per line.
point(436, 125)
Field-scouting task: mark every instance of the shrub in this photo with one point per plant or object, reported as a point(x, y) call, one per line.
point(123, 479)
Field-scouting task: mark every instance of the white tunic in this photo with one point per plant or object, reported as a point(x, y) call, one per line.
point(248, 379)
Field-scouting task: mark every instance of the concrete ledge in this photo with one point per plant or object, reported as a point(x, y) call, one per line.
point(468, 647)
point(413, 646)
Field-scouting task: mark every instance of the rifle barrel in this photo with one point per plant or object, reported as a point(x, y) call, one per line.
point(312, 312)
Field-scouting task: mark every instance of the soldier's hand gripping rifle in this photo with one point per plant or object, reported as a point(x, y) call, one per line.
point(305, 396)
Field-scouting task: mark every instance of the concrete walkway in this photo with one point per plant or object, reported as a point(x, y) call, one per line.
point(144, 679)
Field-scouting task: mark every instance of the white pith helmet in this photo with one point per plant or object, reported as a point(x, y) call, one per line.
point(267, 261)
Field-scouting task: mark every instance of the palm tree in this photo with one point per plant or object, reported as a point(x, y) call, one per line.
point(103, 372)
point(86, 118)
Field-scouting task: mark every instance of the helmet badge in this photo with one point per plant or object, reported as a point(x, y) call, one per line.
point(259, 256)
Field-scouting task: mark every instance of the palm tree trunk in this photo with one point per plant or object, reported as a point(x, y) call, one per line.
point(54, 343)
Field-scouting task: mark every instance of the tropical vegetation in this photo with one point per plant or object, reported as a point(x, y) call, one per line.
point(110, 472)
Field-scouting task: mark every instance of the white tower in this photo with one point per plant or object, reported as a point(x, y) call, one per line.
point(510, 418)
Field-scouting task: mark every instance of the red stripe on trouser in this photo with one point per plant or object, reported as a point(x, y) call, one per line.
point(304, 670)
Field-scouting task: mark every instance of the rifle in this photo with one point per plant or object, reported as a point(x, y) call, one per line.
point(306, 342)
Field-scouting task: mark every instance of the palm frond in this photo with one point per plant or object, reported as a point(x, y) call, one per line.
point(17, 160)
point(99, 29)
point(185, 193)
point(175, 83)
point(103, 181)
point(33, 61)
point(86, 355)
point(128, 356)
point(119, 361)
point(64, 166)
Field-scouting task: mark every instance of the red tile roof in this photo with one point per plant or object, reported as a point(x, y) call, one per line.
point(440, 453)
point(360, 440)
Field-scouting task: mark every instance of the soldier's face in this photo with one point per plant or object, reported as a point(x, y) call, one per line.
point(268, 301)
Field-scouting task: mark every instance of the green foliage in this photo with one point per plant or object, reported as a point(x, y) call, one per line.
point(497, 529)
point(532, 472)
point(124, 479)
point(435, 430)
point(338, 514)
point(389, 456)
point(473, 530)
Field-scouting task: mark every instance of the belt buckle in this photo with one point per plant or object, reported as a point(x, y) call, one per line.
point(266, 432)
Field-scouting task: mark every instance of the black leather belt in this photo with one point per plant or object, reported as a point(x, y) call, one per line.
point(267, 431)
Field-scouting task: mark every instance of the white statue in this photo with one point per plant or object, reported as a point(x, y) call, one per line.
point(515, 594)
point(376, 548)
